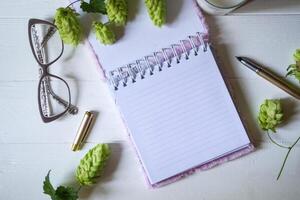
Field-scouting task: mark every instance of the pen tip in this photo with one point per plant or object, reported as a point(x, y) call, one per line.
point(239, 58)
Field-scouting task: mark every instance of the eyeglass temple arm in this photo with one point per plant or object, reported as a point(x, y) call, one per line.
point(72, 110)
point(47, 90)
point(48, 35)
point(45, 99)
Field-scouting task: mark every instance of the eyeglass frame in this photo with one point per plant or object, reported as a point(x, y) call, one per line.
point(45, 72)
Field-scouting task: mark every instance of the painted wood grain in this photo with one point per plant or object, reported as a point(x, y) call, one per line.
point(24, 166)
point(271, 40)
point(268, 32)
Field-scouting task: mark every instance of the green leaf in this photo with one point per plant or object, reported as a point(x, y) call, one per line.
point(48, 188)
point(66, 193)
point(61, 193)
point(289, 73)
point(95, 6)
point(289, 67)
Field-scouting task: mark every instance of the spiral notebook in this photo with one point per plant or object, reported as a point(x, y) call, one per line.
point(171, 95)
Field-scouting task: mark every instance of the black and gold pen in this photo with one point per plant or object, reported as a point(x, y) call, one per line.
point(269, 76)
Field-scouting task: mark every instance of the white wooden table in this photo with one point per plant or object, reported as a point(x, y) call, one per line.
point(266, 30)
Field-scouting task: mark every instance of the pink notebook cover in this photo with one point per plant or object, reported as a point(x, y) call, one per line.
point(204, 166)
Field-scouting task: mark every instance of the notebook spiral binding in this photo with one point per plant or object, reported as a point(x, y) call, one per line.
point(139, 69)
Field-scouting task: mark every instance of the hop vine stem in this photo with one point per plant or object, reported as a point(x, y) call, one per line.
point(287, 154)
point(79, 188)
point(274, 142)
point(73, 3)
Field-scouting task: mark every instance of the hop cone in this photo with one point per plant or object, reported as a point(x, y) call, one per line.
point(297, 55)
point(270, 115)
point(294, 69)
point(117, 11)
point(92, 164)
point(157, 10)
point(104, 33)
point(68, 25)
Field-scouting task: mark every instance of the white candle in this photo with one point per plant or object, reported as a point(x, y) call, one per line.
point(220, 7)
point(225, 3)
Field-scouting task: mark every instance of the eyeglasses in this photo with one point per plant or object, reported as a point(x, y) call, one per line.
point(54, 96)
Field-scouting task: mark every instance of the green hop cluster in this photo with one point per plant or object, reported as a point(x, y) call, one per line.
point(270, 114)
point(117, 11)
point(294, 69)
point(157, 10)
point(104, 33)
point(92, 164)
point(68, 25)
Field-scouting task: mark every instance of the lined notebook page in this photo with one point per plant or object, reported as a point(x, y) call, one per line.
point(181, 117)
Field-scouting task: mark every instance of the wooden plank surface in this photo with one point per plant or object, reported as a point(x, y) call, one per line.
point(264, 30)
point(23, 169)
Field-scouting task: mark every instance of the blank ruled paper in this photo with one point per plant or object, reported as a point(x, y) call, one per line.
point(181, 117)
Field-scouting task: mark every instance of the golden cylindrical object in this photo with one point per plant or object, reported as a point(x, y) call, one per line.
point(83, 130)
